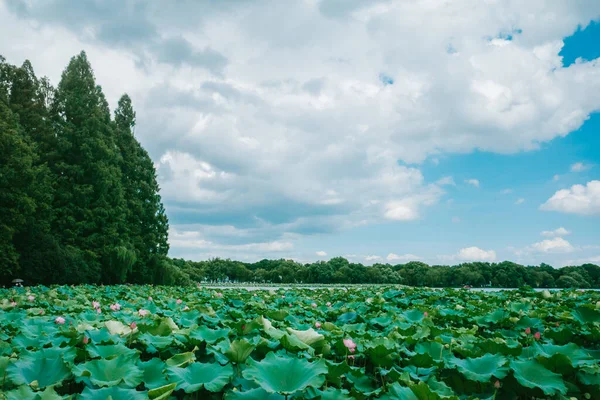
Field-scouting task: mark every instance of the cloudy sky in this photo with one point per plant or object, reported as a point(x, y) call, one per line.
point(432, 130)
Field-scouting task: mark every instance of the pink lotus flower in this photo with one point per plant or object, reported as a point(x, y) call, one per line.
point(41, 312)
point(497, 384)
point(31, 298)
point(143, 312)
point(149, 298)
point(86, 340)
point(59, 320)
point(98, 310)
point(179, 301)
point(290, 304)
point(328, 304)
point(13, 303)
point(425, 314)
point(95, 304)
point(133, 325)
point(350, 345)
point(317, 325)
point(314, 305)
point(528, 331)
point(537, 336)
point(115, 307)
point(350, 357)
point(219, 295)
point(186, 308)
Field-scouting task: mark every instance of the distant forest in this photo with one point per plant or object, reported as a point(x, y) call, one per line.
point(80, 203)
point(339, 270)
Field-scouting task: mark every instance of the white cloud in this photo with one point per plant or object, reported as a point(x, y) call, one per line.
point(447, 180)
point(473, 182)
point(372, 258)
point(402, 257)
point(556, 245)
point(195, 240)
point(579, 199)
point(520, 201)
point(556, 177)
point(583, 260)
point(579, 167)
point(321, 253)
point(556, 232)
point(476, 254)
point(506, 191)
point(241, 133)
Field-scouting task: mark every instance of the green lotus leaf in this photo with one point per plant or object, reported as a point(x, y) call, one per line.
point(413, 316)
point(100, 336)
point(294, 344)
point(268, 328)
point(423, 391)
point(532, 374)
point(253, 394)
point(154, 373)
point(112, 393)
point(397, 392)
point(589, 379)
point(481, 369)
point(67, 354)
point(118, 328)
point(109, 351)
point(328, 394)
point(285, 375)
point(25, 392)
point(212, 377)
point(4, 363)
point(39, 372)
point(181, 360)
point(162, 393)
point(163, 326)
point(347, 317)
point(204, 334)
point(309, 336)
point(277, 315)
point(239, 351)
point(111, 372)
point(335, 371)
point(362, 383)
point(157, 342)
point(586, 315)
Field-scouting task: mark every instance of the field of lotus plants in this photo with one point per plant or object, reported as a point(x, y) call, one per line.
point(138, 342)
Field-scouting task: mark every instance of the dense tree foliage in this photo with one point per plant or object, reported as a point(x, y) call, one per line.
point(79, 198)
point(339, 270)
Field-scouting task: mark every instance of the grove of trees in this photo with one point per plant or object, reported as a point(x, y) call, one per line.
point(79, 199)
point(339, 270)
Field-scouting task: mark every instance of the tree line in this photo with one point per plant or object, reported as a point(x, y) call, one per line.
point(79, 199)
point(339, 270)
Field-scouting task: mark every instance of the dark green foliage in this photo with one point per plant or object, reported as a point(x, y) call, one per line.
point(146, 221)
point(415, 273)
point(78, 194)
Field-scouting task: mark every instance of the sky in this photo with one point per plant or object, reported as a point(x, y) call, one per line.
point(381, 131)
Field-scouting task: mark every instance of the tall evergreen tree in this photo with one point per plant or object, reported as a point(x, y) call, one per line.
point(147, 224)
point(40, 253)
point(17, 183)
point(89, 202)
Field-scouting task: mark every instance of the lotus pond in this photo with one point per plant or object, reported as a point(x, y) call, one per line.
point(139, 342)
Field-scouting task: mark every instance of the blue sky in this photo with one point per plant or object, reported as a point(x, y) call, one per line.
point(383, 131)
